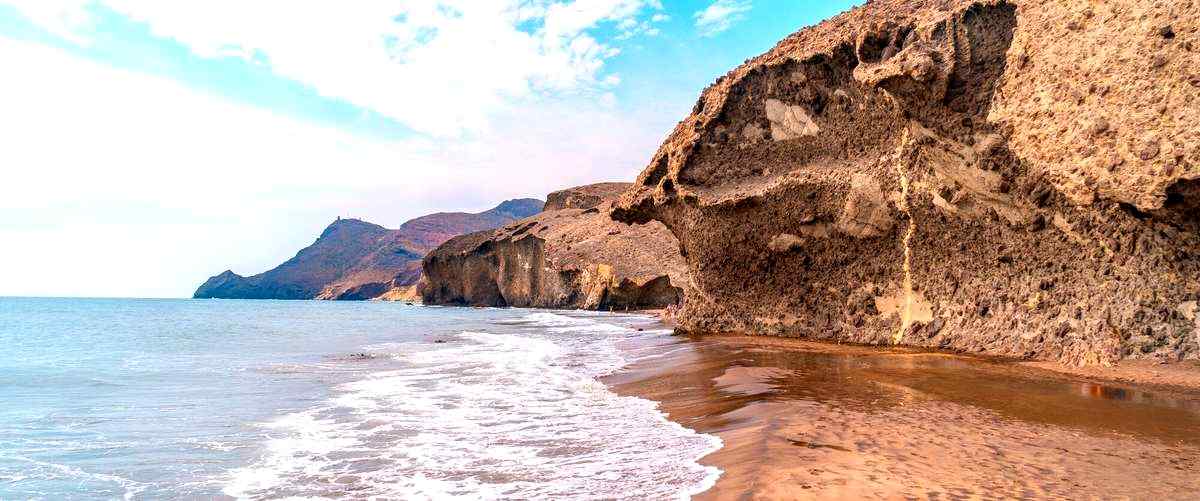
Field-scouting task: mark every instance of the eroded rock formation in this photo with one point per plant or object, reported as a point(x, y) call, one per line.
point(584, 197)
point(572, 255)
point(1018, 178)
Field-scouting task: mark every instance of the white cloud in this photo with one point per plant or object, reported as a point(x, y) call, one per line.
point(720, 16)
point(65, 18)
point(116, 182)
point(440, 67)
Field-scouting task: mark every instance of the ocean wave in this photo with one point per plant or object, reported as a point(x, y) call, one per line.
point(494, 415)
point(547, 319)
point(217, 445)
point(96, 483)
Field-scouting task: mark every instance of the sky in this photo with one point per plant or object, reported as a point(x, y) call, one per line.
point(146, 145)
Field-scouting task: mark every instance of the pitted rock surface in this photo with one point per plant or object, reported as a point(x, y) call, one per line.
point(1016, 178)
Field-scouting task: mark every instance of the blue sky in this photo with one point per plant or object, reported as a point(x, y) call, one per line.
point(153, 143)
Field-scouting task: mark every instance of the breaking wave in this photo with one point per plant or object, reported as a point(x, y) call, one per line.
point(514, 412)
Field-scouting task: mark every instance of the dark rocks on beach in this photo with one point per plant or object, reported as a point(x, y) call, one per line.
point(356, 356)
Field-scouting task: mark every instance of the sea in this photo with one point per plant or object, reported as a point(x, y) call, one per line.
point(243, 399)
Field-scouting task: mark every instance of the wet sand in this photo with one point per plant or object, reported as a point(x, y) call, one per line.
point(808, 420)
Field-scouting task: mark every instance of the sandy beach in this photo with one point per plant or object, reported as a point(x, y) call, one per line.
point(803, 420)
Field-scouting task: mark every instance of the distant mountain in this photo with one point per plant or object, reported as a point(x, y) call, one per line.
point(354, 259)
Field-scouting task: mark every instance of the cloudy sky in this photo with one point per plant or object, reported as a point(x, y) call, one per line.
point(149, 144)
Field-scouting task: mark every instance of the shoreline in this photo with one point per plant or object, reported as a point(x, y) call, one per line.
point(802, 419)
point(1179, 377)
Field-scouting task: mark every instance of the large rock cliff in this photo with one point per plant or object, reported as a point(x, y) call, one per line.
point(355, 260)
point(1017, 178)
point(572, 255)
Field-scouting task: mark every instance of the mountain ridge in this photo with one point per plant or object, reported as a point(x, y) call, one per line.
point(354, 259)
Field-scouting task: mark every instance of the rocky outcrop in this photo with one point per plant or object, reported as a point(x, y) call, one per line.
point(357, 260)
point(583, 197)
point(406, 293)
point(1017, 178)
point(572, 255)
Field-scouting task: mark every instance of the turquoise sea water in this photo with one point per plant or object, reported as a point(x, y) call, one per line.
point(167, 399)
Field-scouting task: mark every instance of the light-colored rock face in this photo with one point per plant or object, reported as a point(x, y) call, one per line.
point(1017, 178)
point(567, 257)
point(866, 213)
point(785, 242)
point(789, 122)
point(1103, 97)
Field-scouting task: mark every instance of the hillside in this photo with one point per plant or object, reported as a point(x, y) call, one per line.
point(354, 259)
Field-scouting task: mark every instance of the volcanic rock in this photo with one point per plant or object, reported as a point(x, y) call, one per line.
point(916, 171)
point(583, 197)
point(572, 255)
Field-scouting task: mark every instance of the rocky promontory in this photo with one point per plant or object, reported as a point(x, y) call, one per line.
point(1016, 178)
point(572, 255)
point(356, 260)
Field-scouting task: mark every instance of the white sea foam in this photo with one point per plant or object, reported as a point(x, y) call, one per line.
point(98, 482)
point(514, 413)
point(217, 445)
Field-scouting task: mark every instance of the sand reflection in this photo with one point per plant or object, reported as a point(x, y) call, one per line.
point(804, 420)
